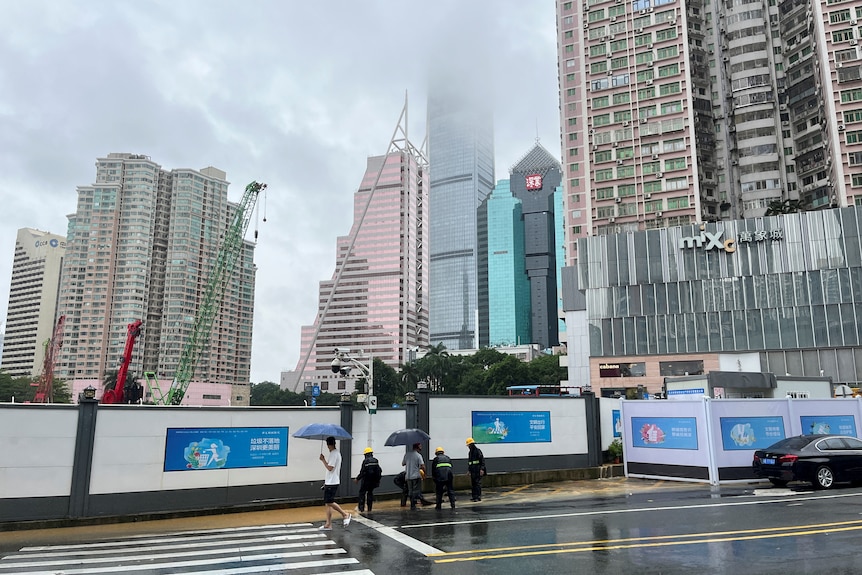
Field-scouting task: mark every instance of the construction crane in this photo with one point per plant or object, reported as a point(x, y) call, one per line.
point(211, 302)
point(133, 330)
point(45, 384)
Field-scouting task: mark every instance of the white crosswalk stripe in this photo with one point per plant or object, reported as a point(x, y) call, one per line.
point(294, 548)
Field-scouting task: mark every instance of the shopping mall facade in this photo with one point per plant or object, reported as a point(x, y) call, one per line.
point(779, 294)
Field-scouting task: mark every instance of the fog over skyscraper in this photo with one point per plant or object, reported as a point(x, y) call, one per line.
point(461, 161)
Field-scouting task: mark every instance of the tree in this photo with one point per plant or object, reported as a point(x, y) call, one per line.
point(265, 393)
point(434, 367)
point(388, 386)
point(776, 207)
point(546, 370)
point(15, 388)
point(510, 371)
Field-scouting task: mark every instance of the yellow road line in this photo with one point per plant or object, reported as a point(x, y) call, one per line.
point(655, 541)
point(516, 490)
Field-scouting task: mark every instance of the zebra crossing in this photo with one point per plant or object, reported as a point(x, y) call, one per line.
point(298, 548)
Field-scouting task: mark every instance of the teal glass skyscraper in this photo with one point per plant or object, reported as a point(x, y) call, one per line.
point(525, 253)
point(508, 285)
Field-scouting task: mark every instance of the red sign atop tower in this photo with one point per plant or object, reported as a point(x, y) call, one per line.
point(534, 181)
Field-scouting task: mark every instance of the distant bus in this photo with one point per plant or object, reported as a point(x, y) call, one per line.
point(543, 391)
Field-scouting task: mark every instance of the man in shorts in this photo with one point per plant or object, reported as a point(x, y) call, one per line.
point(332, 462)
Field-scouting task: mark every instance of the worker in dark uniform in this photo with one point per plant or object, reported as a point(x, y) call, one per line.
point(476, 468)
point(441, 472)
point(368, 479)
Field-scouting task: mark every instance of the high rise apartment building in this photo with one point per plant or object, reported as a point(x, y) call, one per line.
point(461, 158)
point(377, 297)
point(141, 244)
point(32, 311)
point(676, 113)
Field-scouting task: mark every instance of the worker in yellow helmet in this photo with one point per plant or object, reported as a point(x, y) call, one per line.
point(368, 479)
point(441, 472)
point(476, 468)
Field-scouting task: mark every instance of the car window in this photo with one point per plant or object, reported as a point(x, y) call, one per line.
point(795, 442)
point(852, 442)
point(831, 444)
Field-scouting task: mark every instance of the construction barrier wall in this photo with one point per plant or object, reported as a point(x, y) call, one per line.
point(91, 460)
point(714, 440)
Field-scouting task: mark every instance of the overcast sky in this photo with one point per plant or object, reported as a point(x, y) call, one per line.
point(294, 94)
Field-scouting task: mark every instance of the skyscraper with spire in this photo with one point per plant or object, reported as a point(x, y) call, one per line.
point(376, 303)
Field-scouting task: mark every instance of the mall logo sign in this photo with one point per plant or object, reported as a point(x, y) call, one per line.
point(708, 240)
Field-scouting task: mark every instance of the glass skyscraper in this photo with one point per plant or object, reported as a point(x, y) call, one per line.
point(461, 161)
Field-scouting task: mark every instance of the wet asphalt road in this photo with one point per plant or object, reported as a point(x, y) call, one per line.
point(608, 526)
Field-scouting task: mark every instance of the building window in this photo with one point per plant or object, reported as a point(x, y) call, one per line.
point(604, 193)
point(626, 190)
point(676, 368)
point(653, 206)
point(677, 203)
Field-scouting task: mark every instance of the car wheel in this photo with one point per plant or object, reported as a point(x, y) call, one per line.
point(824, 477)
point(779, 482)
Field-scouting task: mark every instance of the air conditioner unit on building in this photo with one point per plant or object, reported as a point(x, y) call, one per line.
point(782, 106)
point(734, 162)
point(604, 38)
point(618, 200)
point(595, 148)
point(658, 214)
point(643, 120)
point(649, 9)
point(586, 25)
point(711, 51)
point(649, 46)
point(725, 59)
point(592, 131)
point(853, 42)
point(619, 163)
point(610, 55)
point(639, 30)
point(625, 124)
point(659, 176)
point(673, 22)
point(648, 82)
point(613, 36)
point(613, 19)
point(839, 65)
point(611, 220)
point(655, 156)
point(616, 144)
point(852, 22)
point(610, 72)
point(840, 127)
point(643, 12)
point(647, 195)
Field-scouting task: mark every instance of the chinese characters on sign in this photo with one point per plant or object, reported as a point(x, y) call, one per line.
point(225, 448)
point(511, 426)
point(750, 432)
point(664, 432)
point(534, 182)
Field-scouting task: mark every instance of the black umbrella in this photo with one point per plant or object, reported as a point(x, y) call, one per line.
point(406, 437)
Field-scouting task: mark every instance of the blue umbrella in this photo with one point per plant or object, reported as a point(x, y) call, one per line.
point(407, 437)
point(322, 431)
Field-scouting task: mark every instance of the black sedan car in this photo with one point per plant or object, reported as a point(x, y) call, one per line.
point(822, 460)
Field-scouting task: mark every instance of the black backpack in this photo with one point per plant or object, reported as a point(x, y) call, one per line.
point(373, 473)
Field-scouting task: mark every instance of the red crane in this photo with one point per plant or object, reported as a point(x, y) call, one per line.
point(116, 395)
point(45, 384)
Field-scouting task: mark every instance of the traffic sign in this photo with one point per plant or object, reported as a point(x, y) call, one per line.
point(372, 404)
point(315, 391)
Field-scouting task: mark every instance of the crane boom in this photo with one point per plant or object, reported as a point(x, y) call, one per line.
point(133, 330)
point(212, 298)
point(45, 384)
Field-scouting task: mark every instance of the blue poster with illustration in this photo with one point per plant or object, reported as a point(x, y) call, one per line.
point(664, 432)
point(511, 426)
point(618, 422)
point(193, 448)
point(749, 433)
point(835, 424)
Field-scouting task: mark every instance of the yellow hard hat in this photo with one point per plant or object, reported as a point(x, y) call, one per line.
point(367, 451)
point(438, 450)
point(470, 440)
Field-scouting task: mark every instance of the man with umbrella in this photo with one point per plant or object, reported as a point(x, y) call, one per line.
point(414, 467)
point(332, 462)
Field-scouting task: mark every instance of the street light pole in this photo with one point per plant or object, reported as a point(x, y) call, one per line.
point(343, 357)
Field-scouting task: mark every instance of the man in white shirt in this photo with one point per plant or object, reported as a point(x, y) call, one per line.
point(332, 462)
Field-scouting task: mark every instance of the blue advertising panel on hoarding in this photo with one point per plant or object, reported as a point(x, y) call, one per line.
point(838, 424)
point(749, 433)
point(618, 423)
point(225, 448)
point(511, 426)
point(664, 432)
